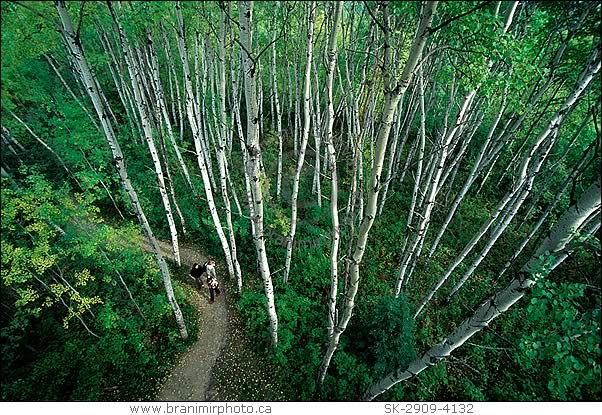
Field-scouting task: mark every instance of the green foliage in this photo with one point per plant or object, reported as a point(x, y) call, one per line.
point(349, 377)
point(564, 344)
point(63, 268)
point(391, 335)
point(252, 307)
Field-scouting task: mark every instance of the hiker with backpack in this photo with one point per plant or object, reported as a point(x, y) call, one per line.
point(196, 273)
point(212, 282)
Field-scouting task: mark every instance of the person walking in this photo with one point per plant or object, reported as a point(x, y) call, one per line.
point(212, 282)
point(196, 272)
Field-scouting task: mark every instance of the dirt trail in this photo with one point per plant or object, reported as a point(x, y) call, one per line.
point(191, 377)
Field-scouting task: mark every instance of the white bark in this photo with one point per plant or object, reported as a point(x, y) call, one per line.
point(415, 249)
point(585, 77)
point(332, 157)
point(161, 103)
point(196, 134)
point(66, 85)
point(393, 94)
point(135, 73)
point(316, 187)
point(578, 169)
point(95, 95)
point(241, 138)
point(304, 138)
point(555, 243)
point(173, 73)
point(277, 105)
point(221, 149)
point(474, 172)
point(253, 165)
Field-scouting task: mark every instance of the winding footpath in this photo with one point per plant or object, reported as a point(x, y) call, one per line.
point(191, 377)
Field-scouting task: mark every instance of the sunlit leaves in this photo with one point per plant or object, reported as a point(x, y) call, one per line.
point(565, 342)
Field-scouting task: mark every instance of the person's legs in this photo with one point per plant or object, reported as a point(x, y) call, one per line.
point(211, 295)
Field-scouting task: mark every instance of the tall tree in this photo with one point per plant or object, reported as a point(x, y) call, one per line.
point(332, 161)
point(543, 261)
point(394, 90)
point(304, 138)
point(72, 41)
point(201, 152)
point(144, 110)
point(251, 71)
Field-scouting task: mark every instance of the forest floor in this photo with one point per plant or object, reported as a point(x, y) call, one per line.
point(191, 377)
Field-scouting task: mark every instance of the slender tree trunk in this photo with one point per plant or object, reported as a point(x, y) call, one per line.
point(524, 179)
point(316, 186)
point(196, 134)
point(413, 254)
point(142, 105)
point(476, 168)
point(422, 139)
point(577, 170)
point(555, 242)
point(277, 105)
point(102, 184)
point(66, 85)
point(161, 103)
point(393, 94)
point(221, 156)
point(91, 87)
point(43, 143)
point(253, 165)
point(332, 157)
point(393, 152)
point(173, 73)
point(241, 137)
point(304, 138)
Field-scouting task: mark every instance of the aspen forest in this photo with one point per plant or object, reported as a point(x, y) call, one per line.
point(402, 199)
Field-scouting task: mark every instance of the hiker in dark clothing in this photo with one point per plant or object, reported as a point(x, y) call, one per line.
point(197, 272)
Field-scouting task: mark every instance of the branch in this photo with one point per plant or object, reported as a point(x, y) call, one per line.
point(448, 21)
point(37, 13)
point(382, 27)
point(79, 23)
point(284, 24)
point(221, 5)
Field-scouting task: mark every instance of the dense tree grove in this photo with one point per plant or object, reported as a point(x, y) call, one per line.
point(405, 196)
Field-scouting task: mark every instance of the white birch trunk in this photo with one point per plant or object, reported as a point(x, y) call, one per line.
point(135, 73)
point(393, 95)
point(91, 87)
point(474, 172)
point(253, 165)
point(196, 134)
point(277, 105)
point(173, 73)
point(422, 138)
point(161, 103)
point(316, 187)
point(235, 75)
point(555, 242)
point(304, 139)
point(414, 252)
point(393, 152)
point(576, 171)
point(332, 157)
point(592, 67)
point(221, 156)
